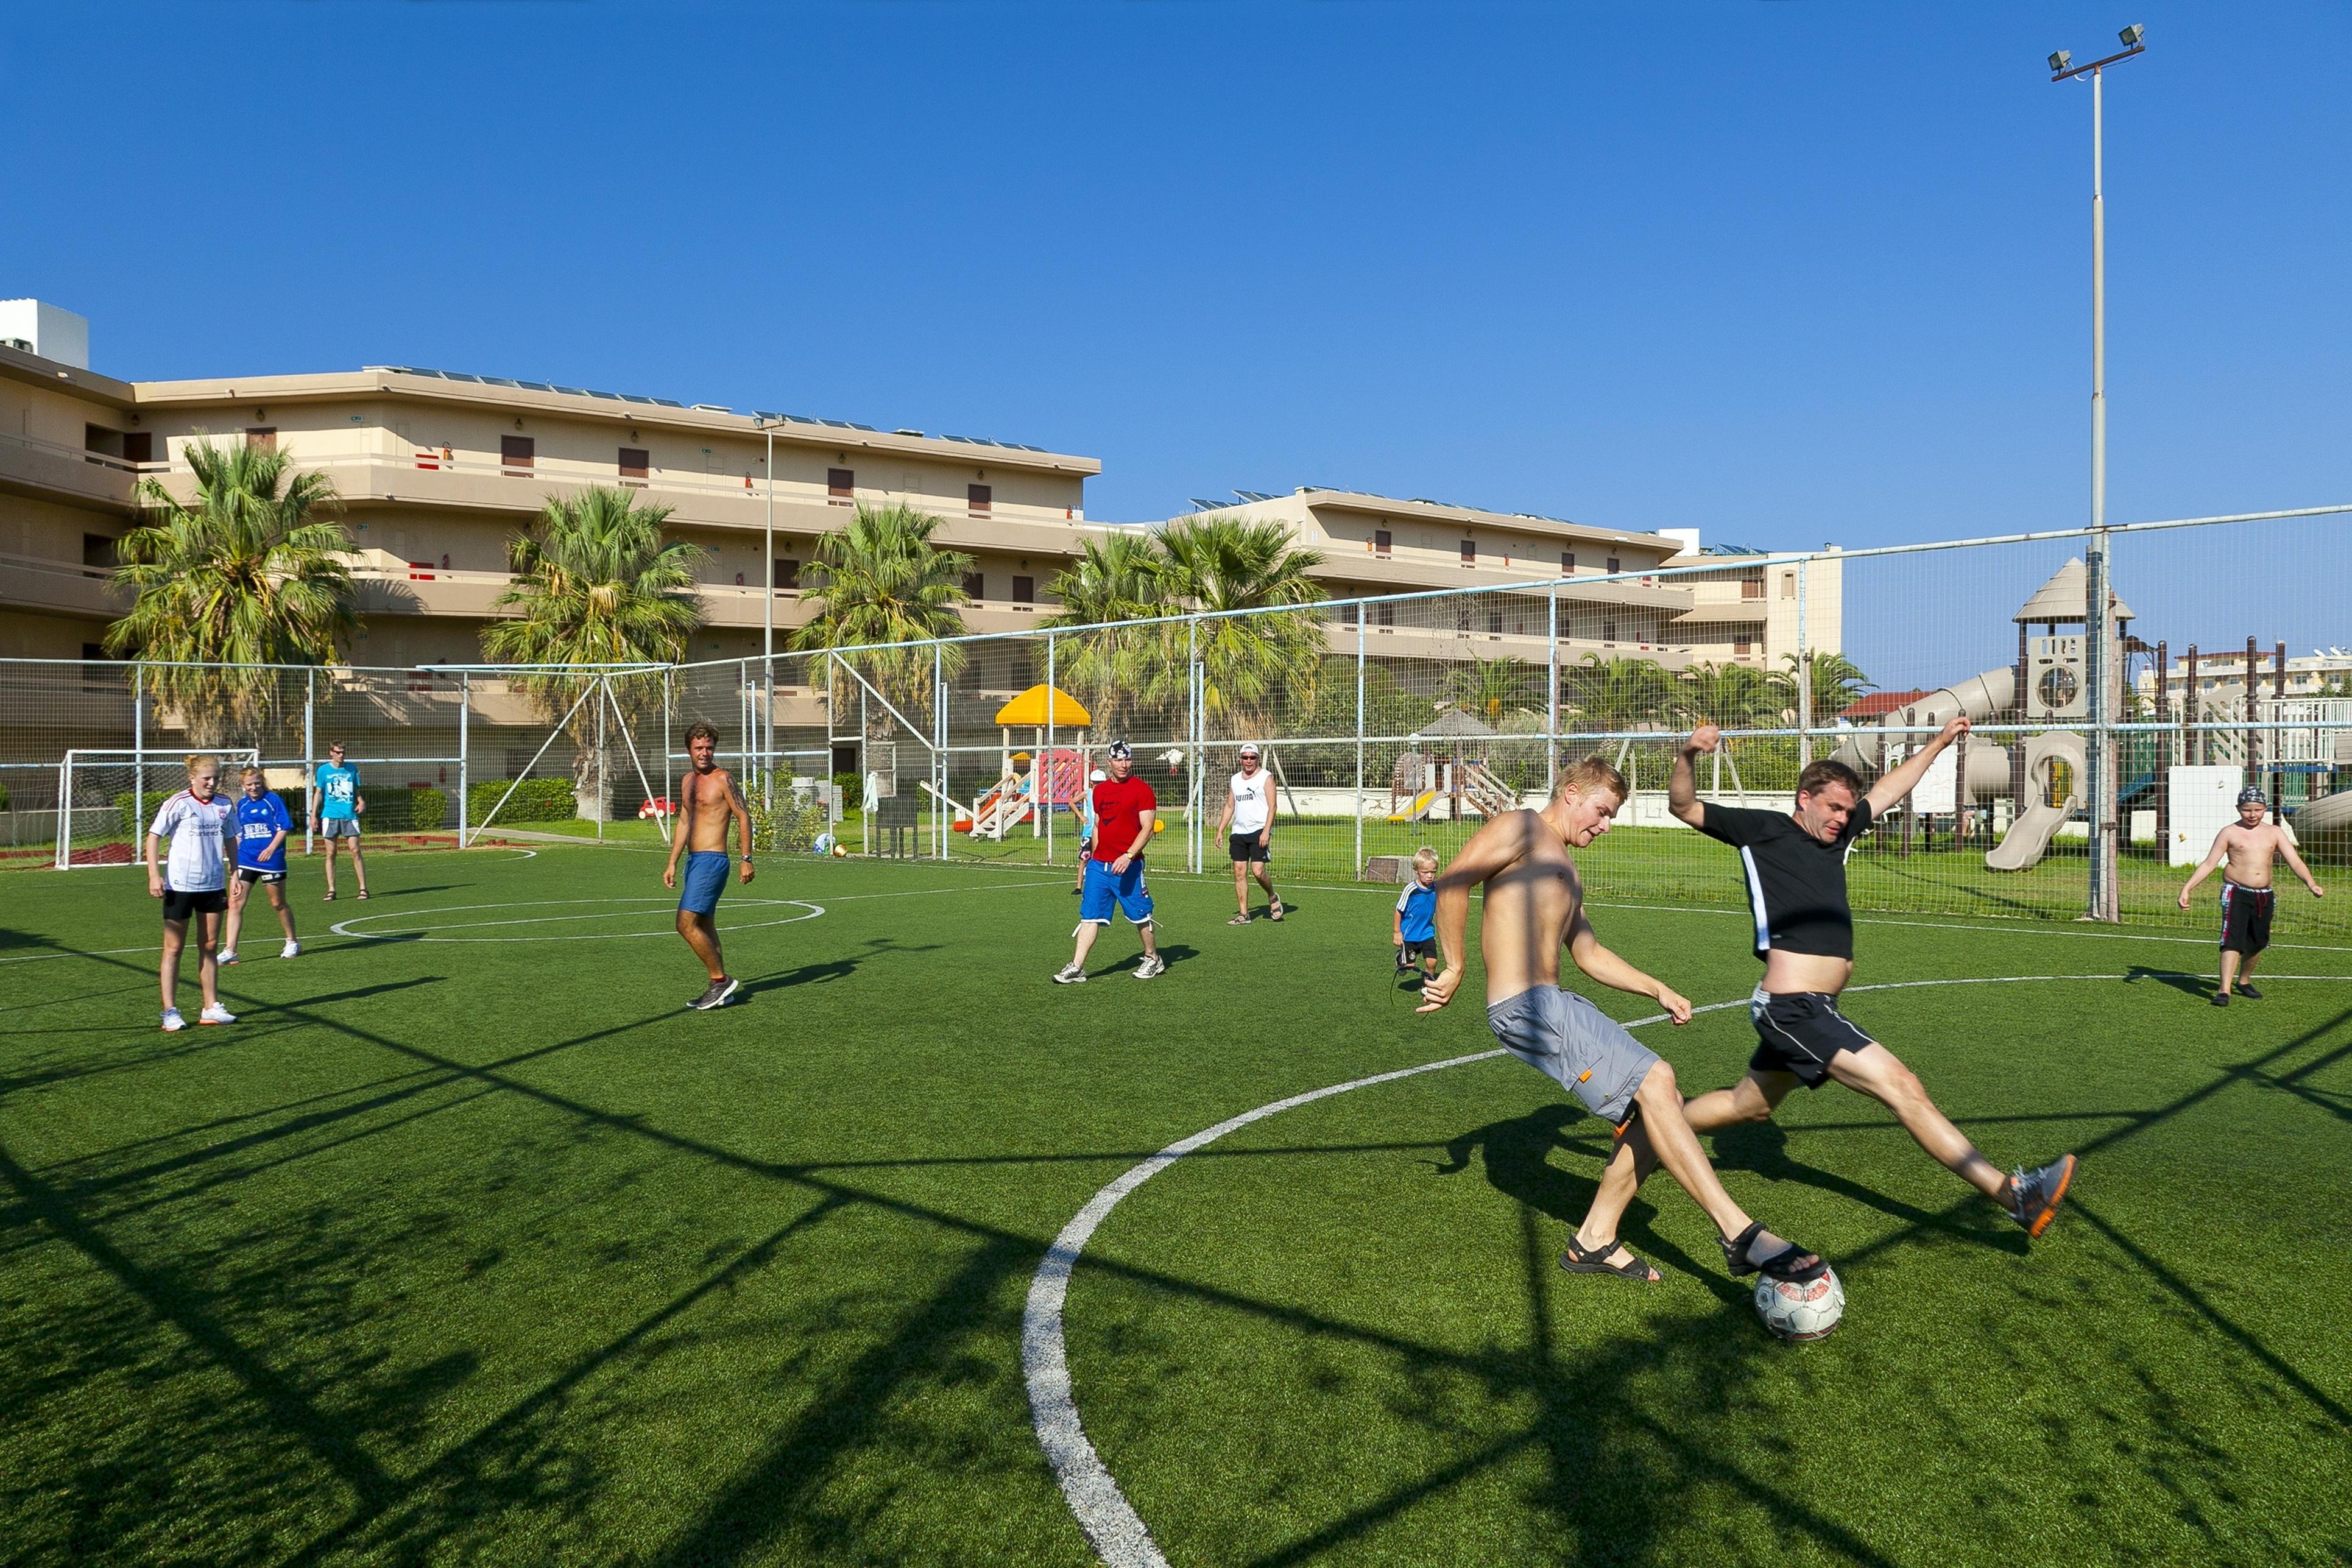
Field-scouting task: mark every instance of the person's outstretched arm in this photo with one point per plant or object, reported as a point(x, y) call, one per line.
point(679, 831)
point(1492, 850)
point(1681, 789)
point(1891, 790)
point(742, 814)
point(2205, 867)
point(2295, 862)
point(1612, 970)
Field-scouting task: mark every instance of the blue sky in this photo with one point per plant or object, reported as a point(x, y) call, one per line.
point(1787, 272)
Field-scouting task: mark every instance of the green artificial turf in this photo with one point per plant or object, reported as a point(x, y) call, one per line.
point(487, 1251)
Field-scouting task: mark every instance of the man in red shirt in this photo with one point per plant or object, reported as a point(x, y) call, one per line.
point(1124, 808)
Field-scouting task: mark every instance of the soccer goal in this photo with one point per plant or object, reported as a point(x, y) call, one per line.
point(107, 799)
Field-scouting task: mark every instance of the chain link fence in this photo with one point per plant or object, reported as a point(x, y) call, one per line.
point(2121, 690)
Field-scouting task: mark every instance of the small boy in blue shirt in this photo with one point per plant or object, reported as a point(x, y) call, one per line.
point(1413, 931)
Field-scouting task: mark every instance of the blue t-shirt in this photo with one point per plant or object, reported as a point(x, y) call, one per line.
point(258, 822)
point(1417, 913)
point(338, 790)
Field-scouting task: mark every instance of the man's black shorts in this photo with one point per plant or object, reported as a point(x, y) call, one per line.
point(2246, 918)
point(1245, 847)
point(1799, 1031)
point(252, 874)
point(179, 905)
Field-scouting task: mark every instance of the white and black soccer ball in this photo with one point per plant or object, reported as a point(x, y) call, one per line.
point(1799, 1314)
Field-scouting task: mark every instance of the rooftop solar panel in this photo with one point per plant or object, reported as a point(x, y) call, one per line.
point(573, 391)
point(633, 397)
point(458, 376)
point(496, 381)
point(665, 402)
point(607, 397)
point(534, 386)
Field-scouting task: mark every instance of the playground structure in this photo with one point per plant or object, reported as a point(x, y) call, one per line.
point(1056, 778)
point(1421, 783)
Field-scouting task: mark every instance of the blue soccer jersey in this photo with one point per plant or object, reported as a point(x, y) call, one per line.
point(339, 791)
point(1417, 913)
point(258, 822)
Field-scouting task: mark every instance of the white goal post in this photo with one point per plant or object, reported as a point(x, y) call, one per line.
point(106, 798)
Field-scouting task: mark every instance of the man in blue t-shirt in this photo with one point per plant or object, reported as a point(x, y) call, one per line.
point(336, 805)
point(262, 823)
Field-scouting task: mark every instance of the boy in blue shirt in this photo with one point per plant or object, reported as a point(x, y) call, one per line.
point(261, 826)
point(1413, 931)
point(336, 805)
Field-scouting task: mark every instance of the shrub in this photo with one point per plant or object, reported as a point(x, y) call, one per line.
point(409, 811)
point(4, 797)
point(790, 825)
point(534, 800)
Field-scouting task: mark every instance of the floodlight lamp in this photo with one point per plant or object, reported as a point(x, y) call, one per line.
point(2061, 60)
point(2132, 35)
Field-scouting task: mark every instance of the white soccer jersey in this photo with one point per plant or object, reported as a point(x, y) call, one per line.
point(194, 829)
point(1253, 802)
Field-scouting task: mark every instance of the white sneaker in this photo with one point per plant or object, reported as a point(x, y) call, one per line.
point(1069, 974)
point(172, 1022)
point(216, 1013)
point(289, 949)
point(1151, 966)
point(226, 955)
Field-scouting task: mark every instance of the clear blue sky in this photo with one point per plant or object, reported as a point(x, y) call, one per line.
point(1788, 272)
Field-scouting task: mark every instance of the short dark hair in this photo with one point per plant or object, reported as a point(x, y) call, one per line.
point(702, 729)
point(1824, 772)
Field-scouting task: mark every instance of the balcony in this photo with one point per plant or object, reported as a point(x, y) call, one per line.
point(59, 588)
point(52, 472)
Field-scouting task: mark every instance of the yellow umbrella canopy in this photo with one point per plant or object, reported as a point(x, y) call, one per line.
point(1043, 705)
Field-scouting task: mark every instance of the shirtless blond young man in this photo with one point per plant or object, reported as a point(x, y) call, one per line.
point(1795, 866)
point(1533, 905)
point(707, 803)
point(2249, 845)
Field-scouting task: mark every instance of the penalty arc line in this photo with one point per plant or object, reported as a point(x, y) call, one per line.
point(1112, 1527)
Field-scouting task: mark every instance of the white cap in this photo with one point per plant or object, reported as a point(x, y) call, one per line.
point(1101, 777)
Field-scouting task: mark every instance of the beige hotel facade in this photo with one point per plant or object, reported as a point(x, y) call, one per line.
point(438, 470)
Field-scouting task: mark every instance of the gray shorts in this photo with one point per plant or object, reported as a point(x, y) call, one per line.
point(1561, 1034)
point(339, 827)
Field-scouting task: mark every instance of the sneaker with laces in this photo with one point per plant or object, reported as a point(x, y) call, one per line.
point(291, 949)
point(1152, 966)
point(216, 1013)
point(1069, 974)
point(716, 997)
point(2034, 1196)
point(226, 955)
point(172, 1022)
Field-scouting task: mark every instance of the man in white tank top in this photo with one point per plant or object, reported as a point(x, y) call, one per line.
point(1249, 814)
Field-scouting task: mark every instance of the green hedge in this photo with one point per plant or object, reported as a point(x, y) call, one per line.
point(393, 811)
point(534, 800)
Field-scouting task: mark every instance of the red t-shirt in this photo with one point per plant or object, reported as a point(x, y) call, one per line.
point(1119, 806)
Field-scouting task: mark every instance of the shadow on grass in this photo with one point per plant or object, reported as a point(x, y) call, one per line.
point(2195, 986)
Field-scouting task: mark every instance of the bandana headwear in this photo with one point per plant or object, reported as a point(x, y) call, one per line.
point(1121, 750)
point(2253, 796)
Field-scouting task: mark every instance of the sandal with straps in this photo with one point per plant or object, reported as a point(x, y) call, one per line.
point(1239, 921)
point(1578, 1259)
point(1782, 1266)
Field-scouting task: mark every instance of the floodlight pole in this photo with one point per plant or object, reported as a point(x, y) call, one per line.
point(2103, 904)
point(768, 627)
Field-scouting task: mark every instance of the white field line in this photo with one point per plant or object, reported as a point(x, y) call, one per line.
point(1116, 1531)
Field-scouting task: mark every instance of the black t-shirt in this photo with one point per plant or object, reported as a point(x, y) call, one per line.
point(1796, 883)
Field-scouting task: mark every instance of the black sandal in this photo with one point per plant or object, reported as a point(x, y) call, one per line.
point(1780, 1266)
point(1577, 1259)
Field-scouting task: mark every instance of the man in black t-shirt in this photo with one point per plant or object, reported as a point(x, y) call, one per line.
point(1794, 863)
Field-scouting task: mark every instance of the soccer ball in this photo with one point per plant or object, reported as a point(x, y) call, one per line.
point(1801, 1312)
point(841, 849)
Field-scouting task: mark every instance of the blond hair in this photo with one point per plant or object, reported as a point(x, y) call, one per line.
point(1424, 855)
point(251, 772)
point(196, 760)
point(1590, 776)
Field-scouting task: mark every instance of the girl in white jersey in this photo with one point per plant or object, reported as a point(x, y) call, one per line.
point(192, 882)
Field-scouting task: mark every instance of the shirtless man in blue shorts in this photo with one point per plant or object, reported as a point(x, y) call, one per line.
point(709, 802)
point(1535, 906)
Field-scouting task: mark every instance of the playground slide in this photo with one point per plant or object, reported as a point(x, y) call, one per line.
point(1420, 808)
point(2030, 835)
point(2328, 813)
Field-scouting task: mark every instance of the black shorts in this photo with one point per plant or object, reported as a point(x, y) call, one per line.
point(1245, 847)
point(252, 874)
point(1799, 1031)
point(1415, 950)
point(179, 905)
point(2246, 918)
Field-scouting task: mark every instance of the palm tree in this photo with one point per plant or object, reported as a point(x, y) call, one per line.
point(1838, 685)
point(1122, 673)
point(1252, 666)
point(596, 584)
point(246, 575)
point(1736, 696)
point(880, 582)
point(1615, 695)
point(1491, 688)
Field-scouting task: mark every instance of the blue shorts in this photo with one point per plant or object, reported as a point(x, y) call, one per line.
point(706, 879)
point(1106, 890)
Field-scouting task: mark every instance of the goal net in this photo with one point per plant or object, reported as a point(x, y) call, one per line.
point(107, 799)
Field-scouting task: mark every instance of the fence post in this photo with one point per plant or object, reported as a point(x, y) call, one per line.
point(139, 764)
point(939, 750)
point(1192, 743)
point(465, 709)
point(1040, 772)
point(2097, 665)
point(604, 794)
point(666, 787)
point(309, 762)
point(1357, 867)
point(1804, 672)
point(1551, 692)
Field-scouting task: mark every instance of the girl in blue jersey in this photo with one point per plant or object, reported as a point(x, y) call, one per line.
point(261, 826)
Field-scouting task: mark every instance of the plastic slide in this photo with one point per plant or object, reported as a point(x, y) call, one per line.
point(1421, 806)
point(2030, 835)
point(2328, 813)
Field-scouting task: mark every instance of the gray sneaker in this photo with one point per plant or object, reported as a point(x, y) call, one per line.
point(1151, 966)
point(721, 989)
point(1069, 974)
